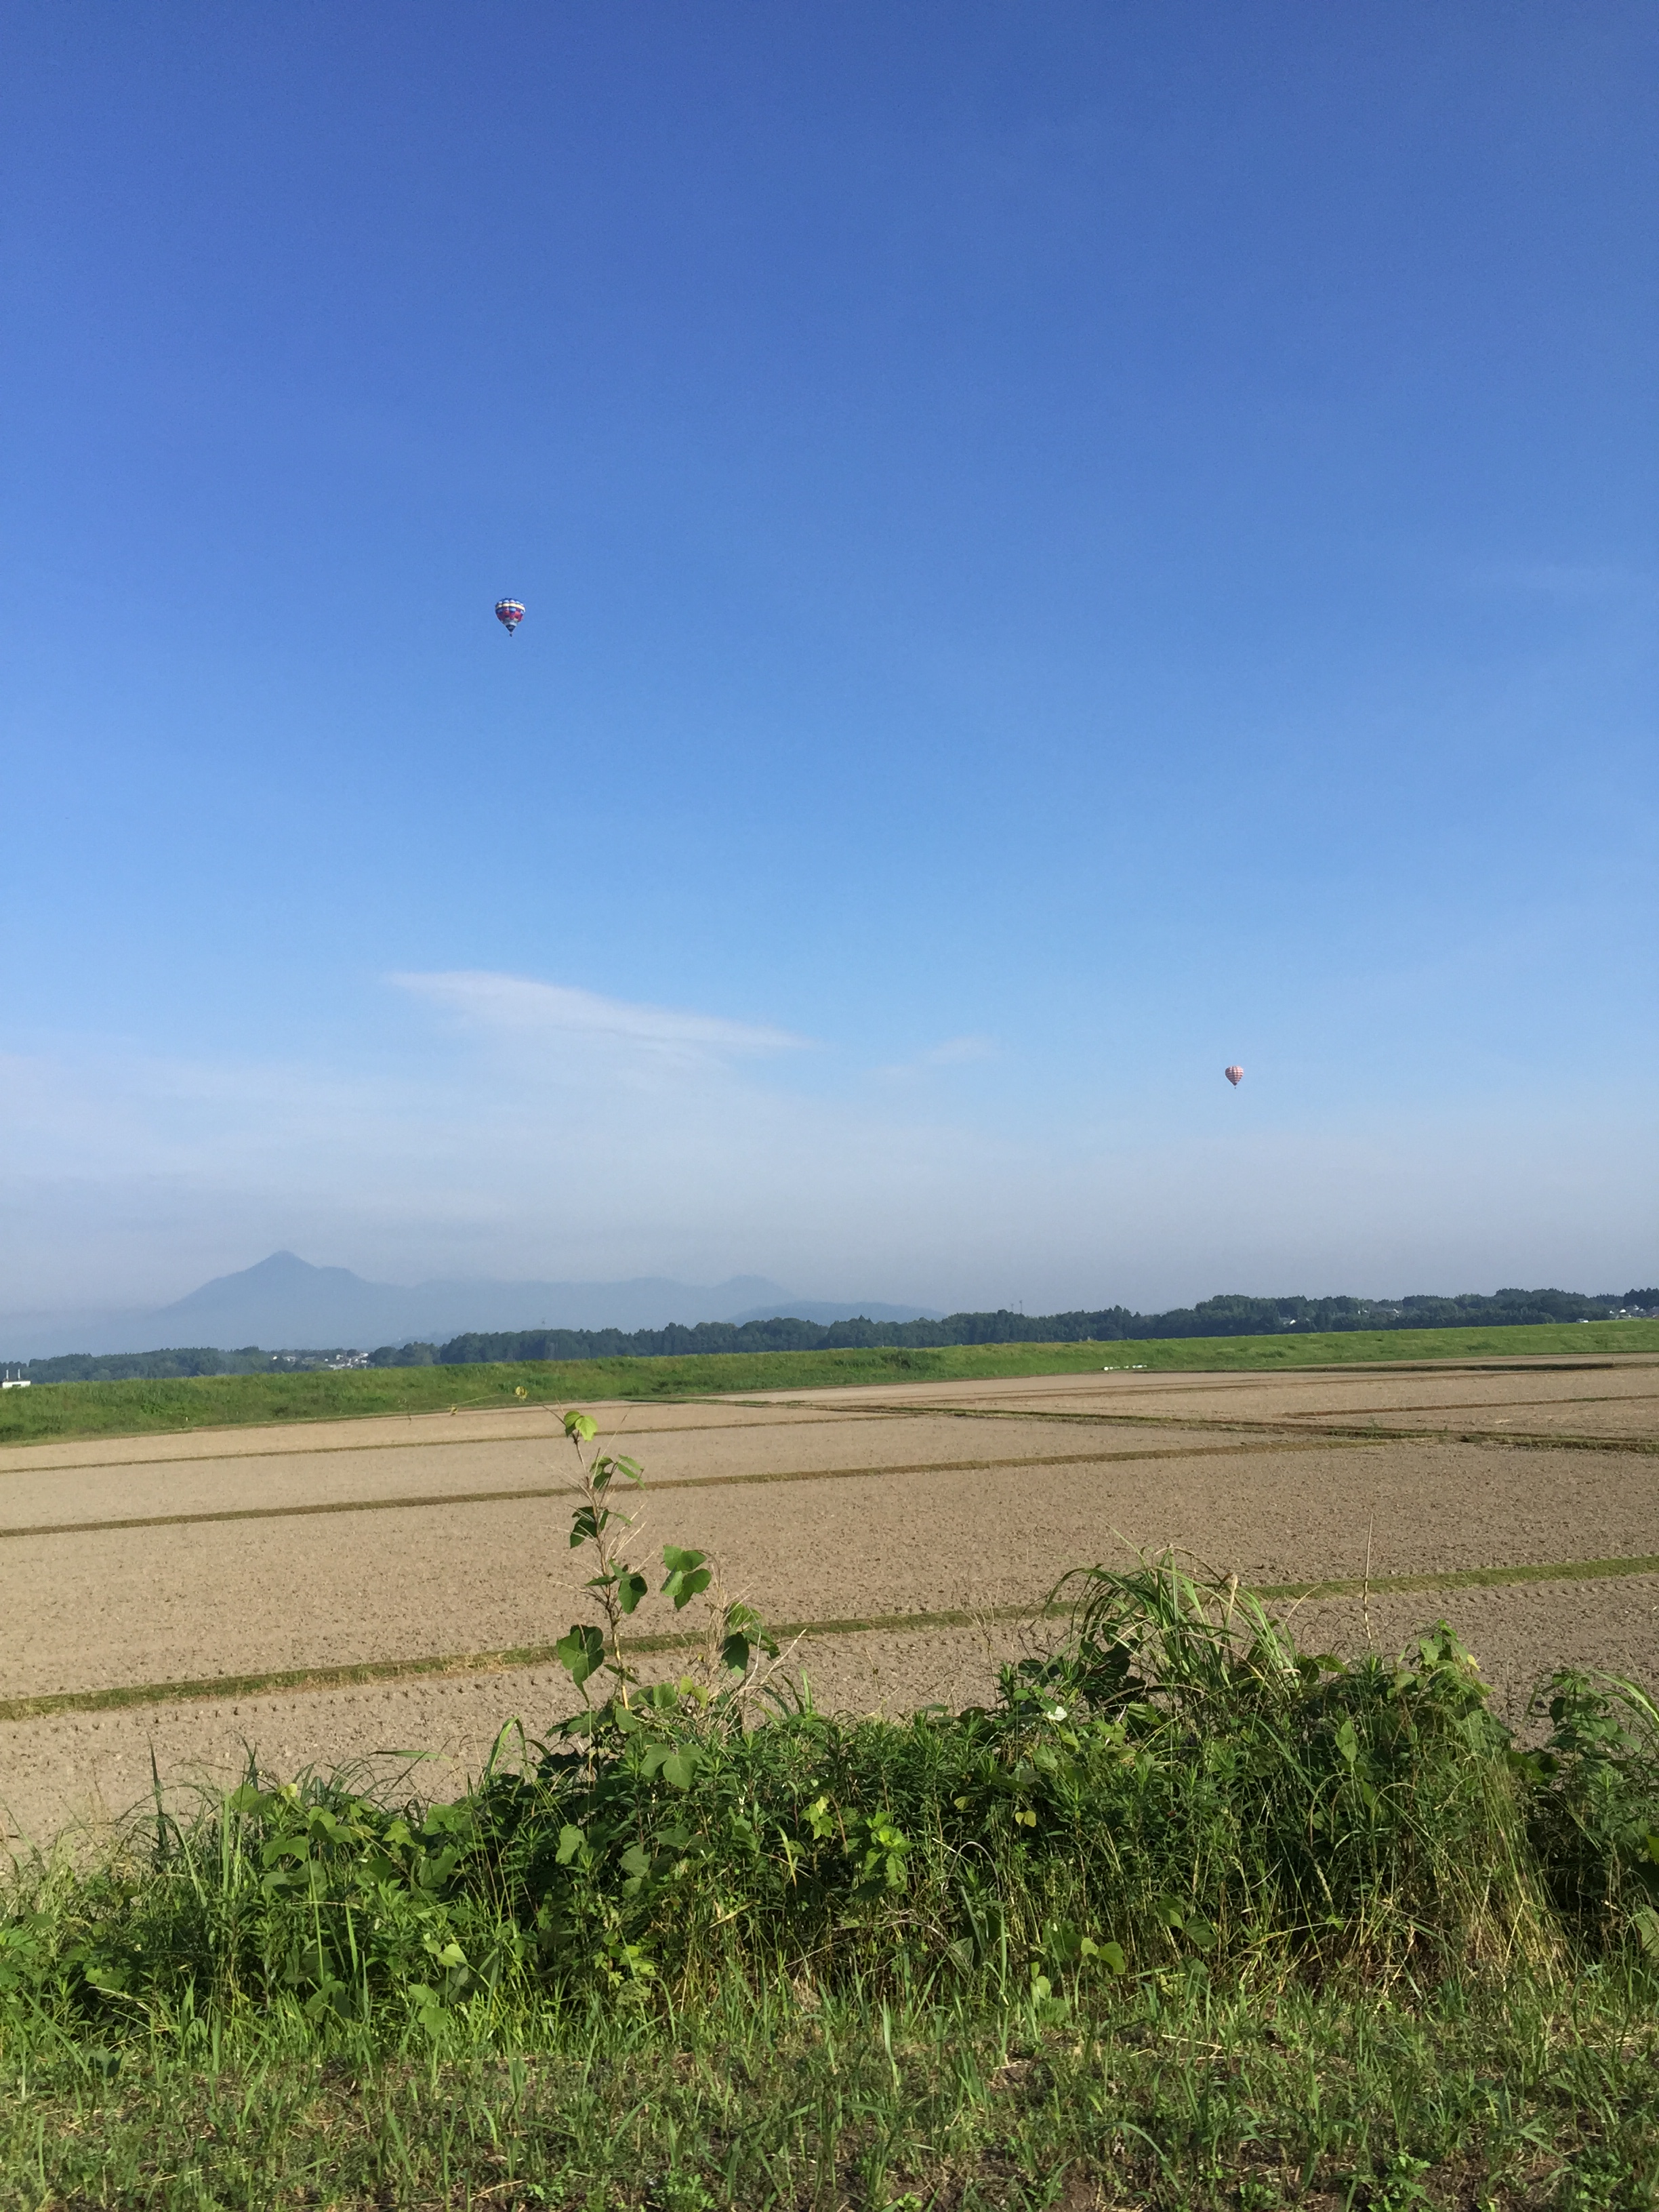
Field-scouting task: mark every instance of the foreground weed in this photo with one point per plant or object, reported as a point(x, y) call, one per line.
point(738, 1654)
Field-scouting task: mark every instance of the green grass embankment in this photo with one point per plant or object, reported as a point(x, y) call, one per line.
point(63, 1410)
point(1186, 1919)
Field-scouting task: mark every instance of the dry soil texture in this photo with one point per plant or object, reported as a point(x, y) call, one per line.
point(433, 1549)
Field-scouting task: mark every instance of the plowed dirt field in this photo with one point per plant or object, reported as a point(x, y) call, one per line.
point(407, 1576)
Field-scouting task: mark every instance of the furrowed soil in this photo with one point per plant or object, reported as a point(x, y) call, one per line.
point(413, 1571)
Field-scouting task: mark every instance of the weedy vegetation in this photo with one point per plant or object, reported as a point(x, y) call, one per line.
point(1188, 1916)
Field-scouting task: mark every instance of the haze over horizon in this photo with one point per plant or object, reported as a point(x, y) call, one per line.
point(1061, 552)
point(284, 1303)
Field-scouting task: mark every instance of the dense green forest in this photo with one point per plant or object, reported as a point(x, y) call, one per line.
point(1233, 1315)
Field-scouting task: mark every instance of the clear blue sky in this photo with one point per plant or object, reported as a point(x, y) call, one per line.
point(1064, 546)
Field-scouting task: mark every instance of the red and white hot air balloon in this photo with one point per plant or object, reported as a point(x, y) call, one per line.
point(1234, 1075)
point(509, 613)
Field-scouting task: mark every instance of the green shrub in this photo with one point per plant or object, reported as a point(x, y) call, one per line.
point(1594, 1805)
point(1176, 1786)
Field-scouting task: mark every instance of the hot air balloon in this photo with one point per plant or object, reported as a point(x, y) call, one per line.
point(1234, 1075)
point(509, 613)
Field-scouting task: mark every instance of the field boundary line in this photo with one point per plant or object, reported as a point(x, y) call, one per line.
point(400, 1444)
point(313, 1508)
point(368, 1672)
point(1528, 1439)
point(1485, 1405)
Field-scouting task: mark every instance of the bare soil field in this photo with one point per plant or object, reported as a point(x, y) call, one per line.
point(433, 1549)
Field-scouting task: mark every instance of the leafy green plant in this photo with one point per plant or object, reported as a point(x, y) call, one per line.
point(737, 1639)
point(1594, 1808)
point(617, 1587)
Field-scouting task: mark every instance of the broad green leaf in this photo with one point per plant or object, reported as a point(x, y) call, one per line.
point(581, 1425)
point(631, 1588)
point(743, 1623)
point(571, 1840)
point(580, 1653)
point(687, 1575)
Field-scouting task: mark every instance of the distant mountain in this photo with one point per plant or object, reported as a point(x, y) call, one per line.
point(285, 1303)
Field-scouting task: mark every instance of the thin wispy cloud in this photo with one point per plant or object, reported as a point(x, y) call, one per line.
point(517, 1005)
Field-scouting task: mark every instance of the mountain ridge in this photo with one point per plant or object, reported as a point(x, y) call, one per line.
point(283, 1303)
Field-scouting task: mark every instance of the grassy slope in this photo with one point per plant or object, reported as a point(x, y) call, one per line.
point(98, 1409)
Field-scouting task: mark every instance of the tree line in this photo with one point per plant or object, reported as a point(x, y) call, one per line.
point(1231, 1316)
point(178, 1360)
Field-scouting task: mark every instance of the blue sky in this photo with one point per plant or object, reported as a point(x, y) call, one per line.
point(1064, 546)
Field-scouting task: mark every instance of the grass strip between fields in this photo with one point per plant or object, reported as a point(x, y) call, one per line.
point(830, 1416)
point(1285, 1426)
point(542, 1654)
point(669, 1482)
point(1285, 1429)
